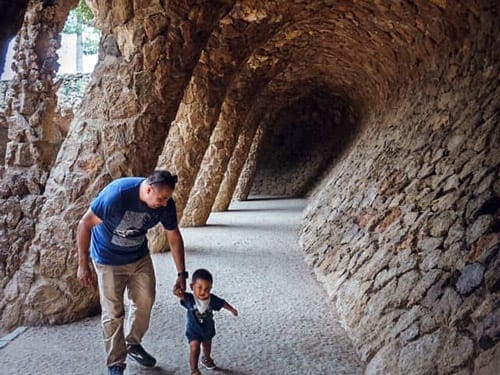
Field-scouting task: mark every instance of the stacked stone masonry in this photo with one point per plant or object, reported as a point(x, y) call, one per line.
point(402, 225)
point(301, 144)
point(409, 225)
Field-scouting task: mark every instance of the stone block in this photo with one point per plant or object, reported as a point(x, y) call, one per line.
point(155, 25)
point(420, 356)
point(52, 262)
point(481, 226)
point(492, 275)
point(428, 244)
point(488, 361)
point(11, 290)
point(470, 278)
point(385, 361)
point(48, 299)
point(455, 353)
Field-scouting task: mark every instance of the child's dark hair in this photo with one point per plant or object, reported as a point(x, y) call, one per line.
point(202, 274)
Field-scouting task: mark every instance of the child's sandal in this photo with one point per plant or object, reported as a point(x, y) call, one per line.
point(196, 372)
point(208, 363)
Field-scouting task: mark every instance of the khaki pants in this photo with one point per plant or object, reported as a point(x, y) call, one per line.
point(139, 280)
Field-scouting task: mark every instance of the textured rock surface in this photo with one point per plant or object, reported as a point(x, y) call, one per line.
point(408, 221)
point(402, 229)
point(300, 145)
point(133, 95)
point(250, 167)
point(239, 341)
point(30, 153)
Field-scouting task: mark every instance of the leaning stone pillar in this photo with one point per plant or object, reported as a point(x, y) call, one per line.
point(147, 53)
point(213, 166)
point(248, 173)
point(33, 137)
point(235, 167)
point(31, 150)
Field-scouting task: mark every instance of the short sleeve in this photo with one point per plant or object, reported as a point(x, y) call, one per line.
point(103, 205)
point(169, 216)
point(216, 303)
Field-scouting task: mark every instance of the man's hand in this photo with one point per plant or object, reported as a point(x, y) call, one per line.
point(179, 293)
point(179, 286)
point(84, 275)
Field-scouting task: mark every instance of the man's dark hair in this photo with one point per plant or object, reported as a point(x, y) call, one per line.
point(162, 178)
point(202, 274)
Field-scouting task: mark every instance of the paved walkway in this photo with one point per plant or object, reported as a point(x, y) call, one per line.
point(286, 324)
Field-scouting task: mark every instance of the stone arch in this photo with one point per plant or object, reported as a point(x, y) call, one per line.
point(403, 228)
point(277, 50)
point(145, 52)
point(31, 150)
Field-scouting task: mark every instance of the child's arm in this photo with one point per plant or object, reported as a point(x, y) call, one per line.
point(227, 306)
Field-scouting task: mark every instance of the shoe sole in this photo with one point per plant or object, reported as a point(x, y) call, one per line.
point(208, 368)
point(139, 361)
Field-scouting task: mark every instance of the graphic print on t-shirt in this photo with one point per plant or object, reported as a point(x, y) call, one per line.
point(128, 232)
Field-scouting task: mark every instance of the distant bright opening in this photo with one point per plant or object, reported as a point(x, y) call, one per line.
point(79, 46)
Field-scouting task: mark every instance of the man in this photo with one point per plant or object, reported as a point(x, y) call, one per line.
point(115, 229)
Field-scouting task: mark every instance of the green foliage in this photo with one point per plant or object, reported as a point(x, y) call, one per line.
point(78, 19)
point(80, 22)
point(91, 42)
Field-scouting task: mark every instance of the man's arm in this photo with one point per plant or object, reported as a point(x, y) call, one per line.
point(85, 225)
point(177, 248)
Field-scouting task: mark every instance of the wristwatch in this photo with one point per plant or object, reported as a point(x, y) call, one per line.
point(183, 274)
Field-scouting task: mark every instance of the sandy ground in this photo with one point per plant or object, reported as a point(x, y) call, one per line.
point(286, 323)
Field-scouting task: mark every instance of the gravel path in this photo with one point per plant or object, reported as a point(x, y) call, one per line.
point(286, 324)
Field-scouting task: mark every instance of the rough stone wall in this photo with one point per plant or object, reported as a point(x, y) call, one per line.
point(301, 143)
point(404, 232)
point(69, 97)
point(148, 51)
point(30, 152)
point(4, 88)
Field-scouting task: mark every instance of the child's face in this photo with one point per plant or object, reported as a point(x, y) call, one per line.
point(201, 288)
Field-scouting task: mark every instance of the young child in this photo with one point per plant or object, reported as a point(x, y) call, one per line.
point(200, 326)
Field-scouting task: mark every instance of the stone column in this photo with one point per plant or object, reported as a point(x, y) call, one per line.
point(33, 137)
point(213, 166)
point(147, 54)
point(248, 172)
point(235, 167)
point(31, 150)
point(241, 30)
point(189, 134)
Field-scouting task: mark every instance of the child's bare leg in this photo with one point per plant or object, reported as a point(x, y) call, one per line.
point(194, 355)
point(207, 348)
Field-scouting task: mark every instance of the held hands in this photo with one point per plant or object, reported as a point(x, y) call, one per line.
point(179, 293)
point(179, 287)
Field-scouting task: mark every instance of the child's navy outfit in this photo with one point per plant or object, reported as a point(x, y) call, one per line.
point(200, 326)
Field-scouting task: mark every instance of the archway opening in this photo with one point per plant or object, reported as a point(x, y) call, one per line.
point(301, 142)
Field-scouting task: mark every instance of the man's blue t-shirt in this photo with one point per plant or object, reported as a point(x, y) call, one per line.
point(121, 237)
